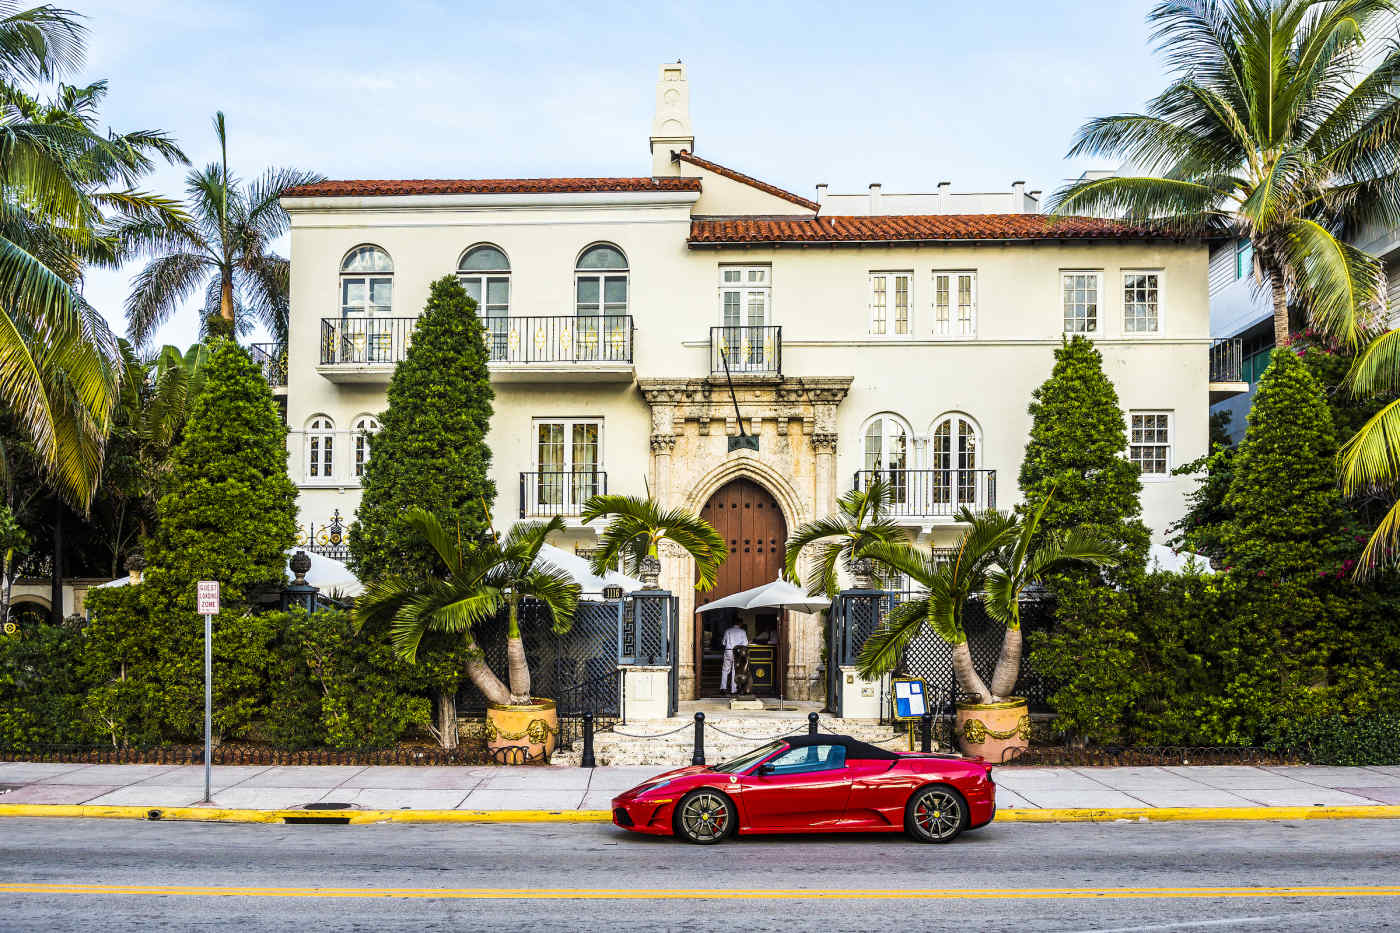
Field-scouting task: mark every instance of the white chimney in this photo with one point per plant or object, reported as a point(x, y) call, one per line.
point(821, 195)
point(670, 127)
point(874, 198)
point(1035, 196)
point(945, 205)
point(1018, 197)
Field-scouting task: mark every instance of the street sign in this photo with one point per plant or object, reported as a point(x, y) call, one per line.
point(909, 699)
point(208, 597)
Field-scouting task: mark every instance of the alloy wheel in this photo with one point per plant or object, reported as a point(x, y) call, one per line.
point(705, 816)
point(939, 814)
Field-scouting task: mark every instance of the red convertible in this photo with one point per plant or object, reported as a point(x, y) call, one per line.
point(815, 784)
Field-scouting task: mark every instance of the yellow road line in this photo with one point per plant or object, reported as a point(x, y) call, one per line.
point(1015, 815)
point(644, 894)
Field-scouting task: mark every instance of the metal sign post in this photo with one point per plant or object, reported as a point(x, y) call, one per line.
point(208, 607)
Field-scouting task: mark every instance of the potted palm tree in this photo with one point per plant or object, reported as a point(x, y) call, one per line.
point(1000, 555)
point(636, 528)
point(479, 580)
point(840, 539)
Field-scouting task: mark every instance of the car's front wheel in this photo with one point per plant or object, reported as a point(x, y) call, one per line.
point(705, 816)
point(936, 814)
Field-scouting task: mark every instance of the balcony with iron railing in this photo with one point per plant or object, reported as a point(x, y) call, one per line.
point(1226, 365)
point(521, 349)
point(934, 494)
point(746, 351)
point(546, 493)
point(272, 360)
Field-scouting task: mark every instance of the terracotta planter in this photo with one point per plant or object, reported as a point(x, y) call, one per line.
point(997, 732)
point(522, 735)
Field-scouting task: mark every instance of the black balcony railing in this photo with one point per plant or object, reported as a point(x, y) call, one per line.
point(547, 493)
point(934, 493)
point(746, 351)
point(365, 340)
point(272, 360)
point(561, 339)
point(1226, 359)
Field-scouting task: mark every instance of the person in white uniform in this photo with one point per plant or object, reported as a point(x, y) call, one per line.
point(734, 636)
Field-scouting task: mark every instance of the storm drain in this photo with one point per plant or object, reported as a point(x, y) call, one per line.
point(322, 812)
point(9, 787)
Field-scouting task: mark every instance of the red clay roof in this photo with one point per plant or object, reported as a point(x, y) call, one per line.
point(363, 188)
point(749, 180)
point(912, 228)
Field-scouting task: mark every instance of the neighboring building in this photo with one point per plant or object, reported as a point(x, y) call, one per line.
point(879, 332)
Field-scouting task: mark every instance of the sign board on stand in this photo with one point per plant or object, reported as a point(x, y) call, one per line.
point(910, 701)
point(208, 597)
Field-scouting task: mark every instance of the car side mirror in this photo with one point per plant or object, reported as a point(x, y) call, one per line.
point(765, 769)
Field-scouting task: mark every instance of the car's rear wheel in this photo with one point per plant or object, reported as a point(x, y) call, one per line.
point(937, 813)
point(705, 816)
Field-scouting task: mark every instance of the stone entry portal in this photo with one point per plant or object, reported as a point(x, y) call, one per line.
point(748, 518)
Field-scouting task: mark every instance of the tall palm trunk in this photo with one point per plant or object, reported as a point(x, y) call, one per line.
point(1008, 669)
point(483, 677)
point(515, 656)
point(1280, 301)
point(226, 298)
point(447, 718)
point(967, 674)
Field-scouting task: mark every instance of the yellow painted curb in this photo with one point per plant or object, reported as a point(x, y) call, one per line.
point(1009, 815)
point(1175, 814)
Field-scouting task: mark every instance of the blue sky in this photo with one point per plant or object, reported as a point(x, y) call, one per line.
point(794, 93)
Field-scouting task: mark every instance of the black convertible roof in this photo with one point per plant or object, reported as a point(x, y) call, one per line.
point(855, 749)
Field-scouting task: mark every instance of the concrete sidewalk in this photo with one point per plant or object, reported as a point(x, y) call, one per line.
point(565, 789)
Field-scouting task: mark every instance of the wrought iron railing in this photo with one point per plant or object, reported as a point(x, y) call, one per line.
point(328, 539)
point(272, 360)
point(934, 493)
point(546, 493)
point(1226, 359)
point(365, 340)
point(560, 339)
point(746, 351)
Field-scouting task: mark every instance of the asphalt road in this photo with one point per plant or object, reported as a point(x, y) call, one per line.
point(425, 877)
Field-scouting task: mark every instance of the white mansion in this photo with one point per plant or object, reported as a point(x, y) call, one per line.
point(898, 333)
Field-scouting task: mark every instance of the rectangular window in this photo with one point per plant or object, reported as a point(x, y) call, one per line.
point(568, 462)
point(1081, 302)
point(955, 304)
point(891, 298)
point(745, 305)
point(1244, 259)
point(1142, 292)
point(1150, 442)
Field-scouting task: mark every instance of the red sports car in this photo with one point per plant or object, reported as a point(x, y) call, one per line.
point(815, 784)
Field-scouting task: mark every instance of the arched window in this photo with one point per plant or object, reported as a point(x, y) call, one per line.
point(485, 273)
point(600, 290)
point(366, 301)
point(954, 446)
point(887, 454)
point(364, 426)
point(320, 448)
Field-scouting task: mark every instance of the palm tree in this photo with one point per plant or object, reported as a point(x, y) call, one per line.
point(59, 363)
point(1370, 461)
point(224, 248)
point(839, 539)
point(998, 552)
point(479, 580)
point(637, 528)
point(1272, 131)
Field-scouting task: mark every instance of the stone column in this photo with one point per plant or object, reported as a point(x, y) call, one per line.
point(825, 485)
point(663, 444)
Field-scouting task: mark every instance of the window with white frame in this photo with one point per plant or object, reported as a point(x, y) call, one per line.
point(366, 303)
point(320, 448)
point(1150, 442)
point(484, 272)
point(891, 298)
point(953, 450)
point(568, 461)
point(1142, 297)
point(1081, 301)
point(955, 304)
point(745, 305)
point(364, 426)
point(600, 306)
point(887, 455)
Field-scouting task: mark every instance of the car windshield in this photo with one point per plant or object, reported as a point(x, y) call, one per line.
point(743, 761)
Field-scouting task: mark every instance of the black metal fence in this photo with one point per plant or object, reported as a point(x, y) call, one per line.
point(327, 539)
point(747, 351)
point(1226, 359)
point(365, 340)
point(272, 360)
point(546, 493)
point(934, 493)
point(468, 753)
point(560, 339)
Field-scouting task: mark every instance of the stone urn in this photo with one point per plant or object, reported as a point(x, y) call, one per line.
point(863, 570)
point(650, 572)
point(997, 732)
point(522, 733)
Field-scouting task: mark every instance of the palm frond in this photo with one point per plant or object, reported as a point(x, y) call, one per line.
point(884, 648)
point(1340, 282)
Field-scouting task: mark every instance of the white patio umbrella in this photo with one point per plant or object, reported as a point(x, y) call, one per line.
point(780, 594)
point(579, 568)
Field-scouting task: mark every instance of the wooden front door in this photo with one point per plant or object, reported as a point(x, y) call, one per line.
point(747, 517)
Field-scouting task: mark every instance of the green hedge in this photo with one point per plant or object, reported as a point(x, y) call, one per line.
point(1371, 739)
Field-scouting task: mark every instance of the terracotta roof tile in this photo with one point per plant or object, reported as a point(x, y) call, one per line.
point(687, 156)
point(371, 187)
point(913, 228)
